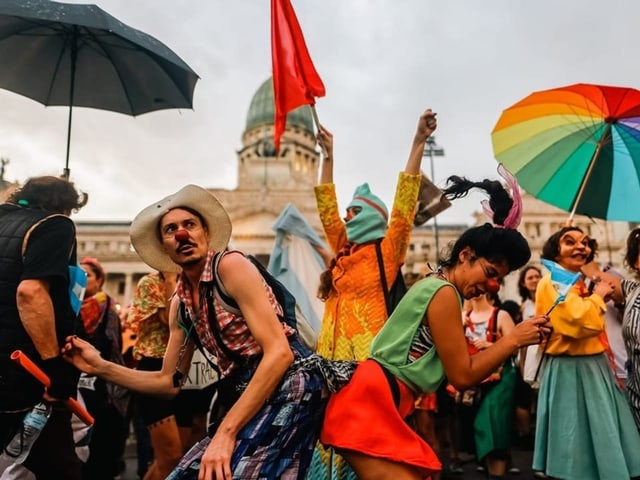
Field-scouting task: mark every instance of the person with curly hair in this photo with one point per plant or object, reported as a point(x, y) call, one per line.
point(37, 300)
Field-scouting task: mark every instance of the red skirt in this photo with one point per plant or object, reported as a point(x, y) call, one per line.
point(363, 417)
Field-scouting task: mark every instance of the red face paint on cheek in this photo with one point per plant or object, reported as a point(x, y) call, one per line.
point(492, 285)
point(182, 235)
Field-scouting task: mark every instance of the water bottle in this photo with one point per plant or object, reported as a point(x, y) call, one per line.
point(32, 424)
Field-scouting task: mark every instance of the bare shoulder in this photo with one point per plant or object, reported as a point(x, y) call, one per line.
point(445, 302)
point(232, 259)
point(505, 322)
point(447, 293)
point(234, 263)
point(503, 315)
point(235, 269)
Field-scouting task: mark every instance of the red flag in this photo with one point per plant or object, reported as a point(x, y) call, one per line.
point(295, 80)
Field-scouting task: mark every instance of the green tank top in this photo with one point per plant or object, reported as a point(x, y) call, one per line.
point(391, 345)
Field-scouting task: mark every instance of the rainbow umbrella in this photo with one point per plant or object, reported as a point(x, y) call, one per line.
point(576, 147)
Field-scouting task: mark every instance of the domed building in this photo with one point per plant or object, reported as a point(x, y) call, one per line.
point(267, 183)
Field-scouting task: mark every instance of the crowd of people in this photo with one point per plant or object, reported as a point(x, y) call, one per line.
point(364, 402)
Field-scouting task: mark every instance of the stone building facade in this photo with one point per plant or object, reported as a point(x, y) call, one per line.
point(267, 183)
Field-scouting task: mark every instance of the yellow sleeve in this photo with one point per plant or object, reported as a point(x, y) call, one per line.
point(396, 241)
point(332, 224)
point(574, 317)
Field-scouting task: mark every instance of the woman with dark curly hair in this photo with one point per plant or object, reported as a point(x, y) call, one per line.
point(422, 341)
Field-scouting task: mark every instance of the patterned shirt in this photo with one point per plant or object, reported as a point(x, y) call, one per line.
point(355, 310)
point(152, 333)
point(232, 326)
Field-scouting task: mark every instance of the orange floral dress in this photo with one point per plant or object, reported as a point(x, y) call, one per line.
point(355, 310)
point(153, 335)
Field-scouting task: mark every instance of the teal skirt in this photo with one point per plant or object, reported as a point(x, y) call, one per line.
point(326, 464)
point(584, 427)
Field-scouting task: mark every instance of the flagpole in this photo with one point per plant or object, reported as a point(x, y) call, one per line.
point(317, 122)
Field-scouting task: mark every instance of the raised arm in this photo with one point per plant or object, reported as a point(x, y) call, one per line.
point(426, 126)
point(325, 138)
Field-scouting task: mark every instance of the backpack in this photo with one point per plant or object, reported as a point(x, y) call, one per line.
point(292, 315)
point(393, 295)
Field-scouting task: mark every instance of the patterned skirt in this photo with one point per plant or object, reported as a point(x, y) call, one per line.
point(584, 427)
point(278, 441)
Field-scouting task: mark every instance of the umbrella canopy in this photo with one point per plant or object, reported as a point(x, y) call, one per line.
point(576, 147)
point(79, 55)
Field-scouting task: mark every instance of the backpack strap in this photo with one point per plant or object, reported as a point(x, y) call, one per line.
point(184, 321)
point(227, 301)
point(383, 277)
point(213, 321)
point(25, 239)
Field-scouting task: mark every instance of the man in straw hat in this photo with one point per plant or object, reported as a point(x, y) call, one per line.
point(272, 390)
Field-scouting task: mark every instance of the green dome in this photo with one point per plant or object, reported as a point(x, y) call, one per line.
point(261, 110)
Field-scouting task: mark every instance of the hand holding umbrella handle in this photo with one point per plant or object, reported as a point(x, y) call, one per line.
point(71, 403)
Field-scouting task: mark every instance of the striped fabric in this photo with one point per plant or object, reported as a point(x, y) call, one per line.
point(631, 336)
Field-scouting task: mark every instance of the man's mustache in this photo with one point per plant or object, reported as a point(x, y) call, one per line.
point(185, 243)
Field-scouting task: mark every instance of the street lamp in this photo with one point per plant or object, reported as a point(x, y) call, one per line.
point(432, 149)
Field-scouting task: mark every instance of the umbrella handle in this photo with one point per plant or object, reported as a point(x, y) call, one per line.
point(71, 403)
point(587, 175)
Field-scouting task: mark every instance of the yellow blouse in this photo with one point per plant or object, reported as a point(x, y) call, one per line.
point(577, 321)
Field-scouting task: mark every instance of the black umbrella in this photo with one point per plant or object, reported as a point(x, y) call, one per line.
point(79, 55)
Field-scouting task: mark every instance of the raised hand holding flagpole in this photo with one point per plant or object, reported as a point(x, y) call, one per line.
point(295, 79)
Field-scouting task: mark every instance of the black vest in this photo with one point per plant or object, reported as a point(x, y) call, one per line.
point(17, 388)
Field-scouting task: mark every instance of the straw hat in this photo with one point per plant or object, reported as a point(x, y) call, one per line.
point(144, 228)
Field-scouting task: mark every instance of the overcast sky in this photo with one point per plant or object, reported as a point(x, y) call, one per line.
point(382, 61)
